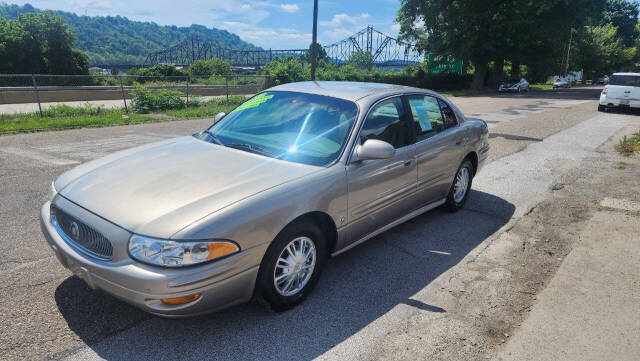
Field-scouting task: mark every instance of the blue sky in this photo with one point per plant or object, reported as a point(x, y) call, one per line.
point(270, 24)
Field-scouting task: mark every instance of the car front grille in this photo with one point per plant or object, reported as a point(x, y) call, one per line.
point(79, 235)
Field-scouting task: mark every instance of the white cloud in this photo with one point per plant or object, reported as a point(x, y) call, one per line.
point(290, 8)
point(343, 25)
point(343, 20)
point(266, 37)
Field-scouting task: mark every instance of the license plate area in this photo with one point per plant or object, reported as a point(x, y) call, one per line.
point(80, 271)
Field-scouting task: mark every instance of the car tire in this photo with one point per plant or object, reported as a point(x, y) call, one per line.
point(464, 174)
point(274, 294)
point(602, 108)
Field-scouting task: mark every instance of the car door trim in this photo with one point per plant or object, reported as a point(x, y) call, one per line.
point(383, 201)
point(388, 226)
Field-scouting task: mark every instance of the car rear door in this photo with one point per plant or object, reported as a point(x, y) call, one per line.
point(439, 145)
point(380, 190)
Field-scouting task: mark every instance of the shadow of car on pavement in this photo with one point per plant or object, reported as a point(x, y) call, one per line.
point(356, 289)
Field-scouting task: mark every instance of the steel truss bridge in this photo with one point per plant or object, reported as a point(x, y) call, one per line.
point(386, 51)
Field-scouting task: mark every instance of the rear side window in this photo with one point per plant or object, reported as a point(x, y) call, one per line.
point(427, 117)
point(448, 114)
point(625, 80)
point(386, 122)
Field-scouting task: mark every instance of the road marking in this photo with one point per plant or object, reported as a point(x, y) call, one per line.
point(38, 156)
point(621, 204)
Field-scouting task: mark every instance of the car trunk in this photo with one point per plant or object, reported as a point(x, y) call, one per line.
point(624, 87)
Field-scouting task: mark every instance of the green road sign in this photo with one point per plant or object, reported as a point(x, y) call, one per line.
point(444, 63)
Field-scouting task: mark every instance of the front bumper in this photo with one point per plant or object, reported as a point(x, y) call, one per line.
point(221, 284)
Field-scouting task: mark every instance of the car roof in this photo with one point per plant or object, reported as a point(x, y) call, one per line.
point(346, 89)
point(635, 74)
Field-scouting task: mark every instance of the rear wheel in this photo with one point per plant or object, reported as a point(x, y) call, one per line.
point(460, 188)
point(291, 266)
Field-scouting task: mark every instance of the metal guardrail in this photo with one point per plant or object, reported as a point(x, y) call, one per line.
point(14, 88)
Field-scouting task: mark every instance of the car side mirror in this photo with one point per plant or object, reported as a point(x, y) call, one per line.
point(374, 149)
point(218, 117)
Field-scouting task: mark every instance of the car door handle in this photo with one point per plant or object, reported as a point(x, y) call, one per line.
point(408, 162)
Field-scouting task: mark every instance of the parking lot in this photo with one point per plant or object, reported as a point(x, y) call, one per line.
point(441, 286)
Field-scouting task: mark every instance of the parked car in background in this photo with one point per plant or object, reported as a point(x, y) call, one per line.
point(514, 86)
point(254, 205)
point(623, 91)
point(601, 80)
point(561, 82)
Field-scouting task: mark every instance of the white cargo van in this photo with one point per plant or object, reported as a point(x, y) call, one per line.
point(622, 91)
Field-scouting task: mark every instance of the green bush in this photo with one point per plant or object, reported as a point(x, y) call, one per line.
point(168, 99)
point(143, 99)
point(158, 70)
point(291, 69)
point(214, 66)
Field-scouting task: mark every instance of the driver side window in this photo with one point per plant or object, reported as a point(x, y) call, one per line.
point(386, 122)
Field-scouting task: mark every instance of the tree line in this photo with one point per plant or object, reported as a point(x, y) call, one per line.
point(525, 36)
point(39, 43)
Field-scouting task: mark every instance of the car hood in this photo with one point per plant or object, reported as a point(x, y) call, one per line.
point(158, 190)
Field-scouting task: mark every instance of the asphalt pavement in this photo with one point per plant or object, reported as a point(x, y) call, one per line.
point(365, 295)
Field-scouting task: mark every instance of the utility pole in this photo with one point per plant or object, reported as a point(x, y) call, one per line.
point(566, 68)
point(314, 42)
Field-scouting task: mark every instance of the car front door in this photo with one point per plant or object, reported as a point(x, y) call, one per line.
point(380, 189)
point(438, 148)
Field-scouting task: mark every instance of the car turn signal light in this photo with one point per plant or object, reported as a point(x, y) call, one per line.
point(180, 300)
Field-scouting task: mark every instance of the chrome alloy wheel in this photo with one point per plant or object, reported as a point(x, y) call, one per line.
point(294, 266)
point(462, 184)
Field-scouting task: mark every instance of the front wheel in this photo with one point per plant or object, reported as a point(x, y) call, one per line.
point(291, 266)
point(460, 188)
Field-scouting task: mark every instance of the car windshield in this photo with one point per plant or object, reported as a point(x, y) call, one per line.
point(626, 80)
point(297, 127)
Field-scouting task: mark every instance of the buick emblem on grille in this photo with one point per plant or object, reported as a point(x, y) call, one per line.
point(75, 230)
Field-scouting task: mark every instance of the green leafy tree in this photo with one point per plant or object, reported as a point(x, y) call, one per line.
point(214, 66)
point(624, 16)
point(484, 32)
point(39, 43)
point(599, 50)
point(361, 59)
point(321, 54)
point(286, 70)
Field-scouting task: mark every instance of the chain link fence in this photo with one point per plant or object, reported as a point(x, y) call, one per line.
point(25, 91)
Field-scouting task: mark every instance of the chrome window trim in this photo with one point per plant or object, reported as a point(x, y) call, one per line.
point(356, 136)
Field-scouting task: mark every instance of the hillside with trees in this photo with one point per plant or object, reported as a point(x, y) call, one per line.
point(118, 40)
point(39, 43)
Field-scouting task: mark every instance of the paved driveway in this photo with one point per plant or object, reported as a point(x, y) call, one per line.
point(365, 295)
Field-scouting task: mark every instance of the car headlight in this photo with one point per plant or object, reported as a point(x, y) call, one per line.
point(52, 191)
point(168, 253)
